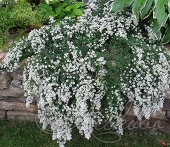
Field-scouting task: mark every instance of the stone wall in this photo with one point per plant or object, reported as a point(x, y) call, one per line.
point(12, 100)
point(12, 105)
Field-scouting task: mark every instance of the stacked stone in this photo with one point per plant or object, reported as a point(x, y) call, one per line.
point(12, 100)
point(159, 122)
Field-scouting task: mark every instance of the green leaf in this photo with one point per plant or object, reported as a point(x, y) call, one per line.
point(77, 12)
point(147, 9)
point(55, 5)
point(51, 13)
point(77, 5)
point(166, 37)
point(137, 7)
point(45, 6)
point(156, 30)
point(59, 9)
point(68, 8)
point(70, 15)
point(119, 4)
point(160, 13)
point(68, 2)
point(58, 23)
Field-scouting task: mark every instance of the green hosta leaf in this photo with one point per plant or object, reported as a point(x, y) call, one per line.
point(70, 15)
point(59, 9)
point(147, 9)
point(138, 6)
point(62, 5)
point(77, 5)
point(166, 37)
point(68, 2)
point(119, 4)
point(56, 5)
point(68, 8)
point(51, 13)
point(74, 6)
point(159, 13)
point(45, 6)
point(77, 12)
point(156, 30)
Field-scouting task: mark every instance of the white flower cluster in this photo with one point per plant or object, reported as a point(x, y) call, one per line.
point(11, 60)
point(148, 79)
point(69, 69)
point(63, 103)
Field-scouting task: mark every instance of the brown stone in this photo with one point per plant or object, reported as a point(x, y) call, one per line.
point(2, 56)
point(14, 92)
point(17, 106)
point(160, 114)
point(129, 109)
point(165, 126)
point(157, 124)
point(2, 114)
point(166, 105)
point(167, 94)
point(21, 115)
point(22, 64)
point(5, 81)
point(16, 84)
point(128, 121)
point(17, 74)
point(168, 114)
point(12, 99)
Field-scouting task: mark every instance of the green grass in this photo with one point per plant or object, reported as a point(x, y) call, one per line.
point(15, 133)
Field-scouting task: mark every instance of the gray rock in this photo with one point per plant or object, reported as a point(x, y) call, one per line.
point(129, 109)
point(17, 75)
point(167, 92)
point(168, 114)
point(16, 84)
point(160, 114)
point(21, 115)
point(5, 81)
point(2, 114)
point(12, 99)
point(166, 105)
point(17, 106)
point(12, 92)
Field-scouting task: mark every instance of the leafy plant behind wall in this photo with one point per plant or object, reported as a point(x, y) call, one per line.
point(24, 16)
point(157, 11)
point(15, 17)
point(5, 24)
point(60, 9)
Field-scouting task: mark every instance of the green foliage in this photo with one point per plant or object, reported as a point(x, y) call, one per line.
point(157, 11)
point(18, 16)
point(6, 2)
point(24, 16)
point(61, 9)
point(5, 24)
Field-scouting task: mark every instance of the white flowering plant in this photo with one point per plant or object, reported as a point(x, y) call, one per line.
point(84, 70)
